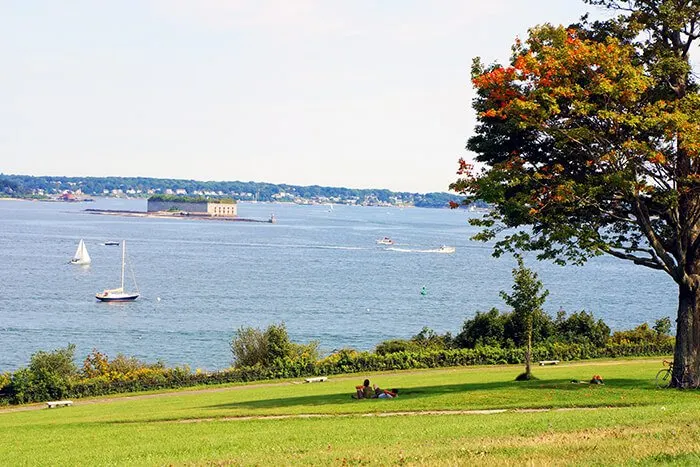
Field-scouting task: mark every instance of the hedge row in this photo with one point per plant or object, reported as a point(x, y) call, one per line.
point(24, 387)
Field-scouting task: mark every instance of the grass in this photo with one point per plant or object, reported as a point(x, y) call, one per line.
point(544, 421)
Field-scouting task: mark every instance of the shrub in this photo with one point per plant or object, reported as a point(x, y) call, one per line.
point(642, 334)
point(98, 364)
point(494, 328)
point(5, 380)
point(252, 347)
point(48, 377)
point(426, 339)
point(662, 326)
point(395, 345)
point(249, 347)
point(484, 329)
point(58, 362)
point(581, 327)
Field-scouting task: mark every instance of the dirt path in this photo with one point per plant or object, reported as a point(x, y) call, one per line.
point(382, 414)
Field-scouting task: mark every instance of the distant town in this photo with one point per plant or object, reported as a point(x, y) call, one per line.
point(75, 189)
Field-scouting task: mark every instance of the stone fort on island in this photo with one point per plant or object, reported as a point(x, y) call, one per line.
point(215, 207)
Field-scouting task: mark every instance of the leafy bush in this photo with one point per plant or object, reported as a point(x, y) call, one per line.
point(48, 377)
point(5, 380)
point(252, 346)
point(662, 326)
point(426, 339)
point(494, 328)
point(483, 329)
point(98, 364)
point(190, 199)
point(581, 327)
point(642, 334)
point(58, 362)
point(249, 347)
point(396, 345)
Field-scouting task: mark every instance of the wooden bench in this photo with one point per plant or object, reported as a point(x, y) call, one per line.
point(53, 404)
point(318, 379)
point(549, 362)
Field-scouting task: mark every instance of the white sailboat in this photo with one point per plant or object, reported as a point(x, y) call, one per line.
point(81, 256)
point(118, 295)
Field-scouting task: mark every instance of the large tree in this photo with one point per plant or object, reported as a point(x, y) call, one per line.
point(590, 141)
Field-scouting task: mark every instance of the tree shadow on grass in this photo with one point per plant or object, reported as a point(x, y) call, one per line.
point(415, 393)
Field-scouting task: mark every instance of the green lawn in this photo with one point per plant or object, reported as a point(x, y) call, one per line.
point(625, 420)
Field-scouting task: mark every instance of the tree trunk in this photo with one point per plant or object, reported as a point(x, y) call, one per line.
point(528, 353)
point(686, 365)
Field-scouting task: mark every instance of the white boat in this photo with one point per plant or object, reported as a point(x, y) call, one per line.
point(446, 249)
point(118, 295)
point(81, 256)
point(385, 241)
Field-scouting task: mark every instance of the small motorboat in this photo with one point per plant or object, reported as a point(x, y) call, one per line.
point(385, 241)
point(446, 249)
point(111, 243)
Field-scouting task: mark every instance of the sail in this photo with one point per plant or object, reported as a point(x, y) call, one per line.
point(84, 255)
point(81, 254)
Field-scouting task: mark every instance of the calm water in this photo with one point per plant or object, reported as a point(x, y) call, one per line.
point(317, 270)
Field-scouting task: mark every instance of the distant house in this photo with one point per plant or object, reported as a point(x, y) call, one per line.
point(193, 205)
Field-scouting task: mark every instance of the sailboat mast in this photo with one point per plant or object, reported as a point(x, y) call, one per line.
point(123, 259)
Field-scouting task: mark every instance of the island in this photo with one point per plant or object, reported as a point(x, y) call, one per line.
point(193, 207)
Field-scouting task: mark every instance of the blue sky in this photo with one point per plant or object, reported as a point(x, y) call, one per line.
point(363, 94)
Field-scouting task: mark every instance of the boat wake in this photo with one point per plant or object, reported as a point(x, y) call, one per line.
point(333, 247)
point(416, 250)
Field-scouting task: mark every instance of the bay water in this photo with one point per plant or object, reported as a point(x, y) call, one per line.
point(318, 269)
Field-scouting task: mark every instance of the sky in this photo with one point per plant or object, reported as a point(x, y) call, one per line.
point(360, 94)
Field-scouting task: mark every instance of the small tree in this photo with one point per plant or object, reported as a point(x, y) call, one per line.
point(526, 301)
point(662, 326)
point(253, 346)
point(249, 347)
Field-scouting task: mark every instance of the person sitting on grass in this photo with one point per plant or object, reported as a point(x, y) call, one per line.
point(364, 391)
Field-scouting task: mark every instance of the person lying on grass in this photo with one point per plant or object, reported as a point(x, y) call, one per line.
point(385, 393)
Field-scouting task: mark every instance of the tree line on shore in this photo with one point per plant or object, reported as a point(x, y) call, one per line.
point(27, 185)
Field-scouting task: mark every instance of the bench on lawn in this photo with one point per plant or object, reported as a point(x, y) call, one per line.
point(549, 362)
point(318, 379)
point(53, 404)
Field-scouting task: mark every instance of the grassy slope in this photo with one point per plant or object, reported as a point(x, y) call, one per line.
point(633, 421)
